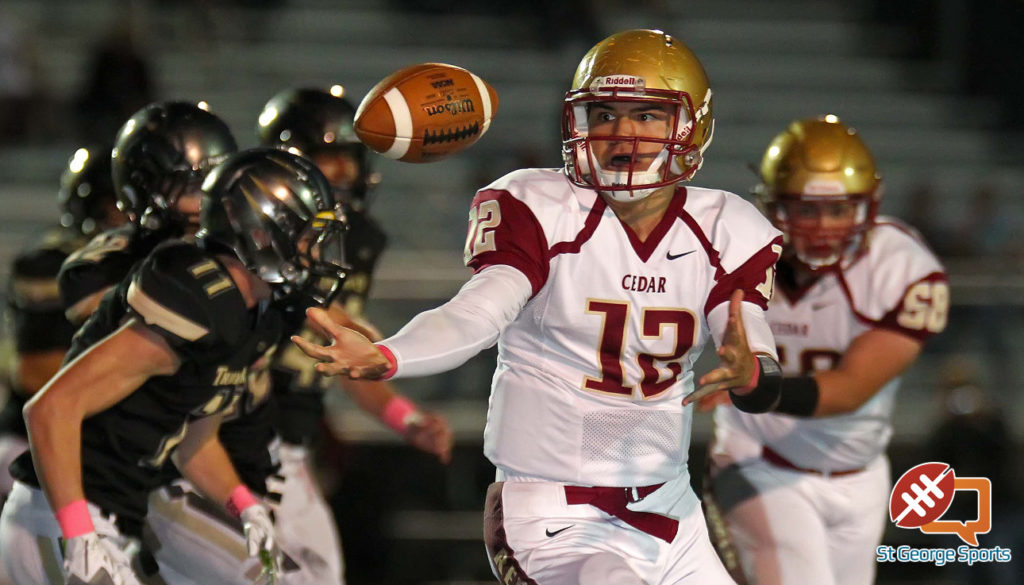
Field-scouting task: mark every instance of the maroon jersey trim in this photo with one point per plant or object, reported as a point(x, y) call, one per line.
point(589, 227)
point(889, 321)
point(750, 275)
point(519, 237)
point(645, 248)
point(710, 250)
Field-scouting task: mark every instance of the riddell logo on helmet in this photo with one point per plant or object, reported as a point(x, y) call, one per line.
point(824, 187)
point(619, 81)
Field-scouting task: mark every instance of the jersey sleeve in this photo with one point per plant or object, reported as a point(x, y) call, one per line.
point(908, 286)
point(744, 248)
point(34, 302)
point(97, 266)
point(189, 299)
point(504, 231)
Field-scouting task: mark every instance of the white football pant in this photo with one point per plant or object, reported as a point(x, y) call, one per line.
point(536, 537)
point(30, 537)
point(198, 543)
point(793, 527)
point(11, 446)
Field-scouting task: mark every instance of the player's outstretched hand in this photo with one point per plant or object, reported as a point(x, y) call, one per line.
point(349, 353)
point(737, 366)
point(430, 433)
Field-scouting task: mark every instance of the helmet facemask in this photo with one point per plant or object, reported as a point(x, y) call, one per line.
point(276, 212)
point(310, 265)
point(822, 231)
point(637, 163)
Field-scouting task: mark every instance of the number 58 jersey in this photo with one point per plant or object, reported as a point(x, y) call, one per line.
point(591, 373)
point(896, 284)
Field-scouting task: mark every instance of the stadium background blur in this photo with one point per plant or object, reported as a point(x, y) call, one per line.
point(934, 87)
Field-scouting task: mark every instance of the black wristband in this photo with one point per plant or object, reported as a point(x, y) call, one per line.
point(765, 396)
point(799, 396)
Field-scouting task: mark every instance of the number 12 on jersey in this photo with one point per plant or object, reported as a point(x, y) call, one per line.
point(611, 349)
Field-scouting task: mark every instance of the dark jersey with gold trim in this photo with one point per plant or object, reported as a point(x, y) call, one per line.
point(187, 296)
point(105, 261)
point(298, 388)
point(34, 311)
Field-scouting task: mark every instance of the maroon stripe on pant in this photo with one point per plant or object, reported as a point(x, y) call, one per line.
point(502, 556)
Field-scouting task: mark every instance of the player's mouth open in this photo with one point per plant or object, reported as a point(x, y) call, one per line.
point(623, 162)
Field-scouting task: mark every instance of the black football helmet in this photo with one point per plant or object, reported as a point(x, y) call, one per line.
point(163, 152)
point(276, 212)
point(315, 122)
point(86, 197)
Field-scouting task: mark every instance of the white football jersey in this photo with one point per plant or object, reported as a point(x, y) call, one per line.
point(591, 374)
point(896, 284)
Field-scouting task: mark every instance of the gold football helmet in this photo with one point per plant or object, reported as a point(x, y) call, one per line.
point(638, 66)
point(820, 187)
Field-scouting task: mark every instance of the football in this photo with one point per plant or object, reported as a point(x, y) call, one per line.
point(425, 112)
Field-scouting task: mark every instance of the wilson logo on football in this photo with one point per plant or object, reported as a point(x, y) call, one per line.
point(924, 493)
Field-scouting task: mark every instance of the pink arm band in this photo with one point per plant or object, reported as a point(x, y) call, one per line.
point(74, 519)
point(241, 498)
point(399, 413)
point(391, 360)
point(757, 376)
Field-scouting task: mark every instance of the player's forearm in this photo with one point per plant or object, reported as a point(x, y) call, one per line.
point(370, 396)
point(210, 469)
point(55, 439)
point(444, 338)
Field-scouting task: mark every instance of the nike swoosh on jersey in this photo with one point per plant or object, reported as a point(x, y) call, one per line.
point(559, 531)
point(672, 256)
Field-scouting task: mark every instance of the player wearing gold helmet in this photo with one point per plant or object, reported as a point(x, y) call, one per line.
point(804, 489)
point(600, 283)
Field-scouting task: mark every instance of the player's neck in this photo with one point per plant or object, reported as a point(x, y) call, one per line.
point(253, 288)
point(644, 215)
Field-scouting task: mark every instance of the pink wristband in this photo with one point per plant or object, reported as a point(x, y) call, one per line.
point(399, 413)
point(240, 499)
point(74, 519)
point(391, 360)
point(757, 376)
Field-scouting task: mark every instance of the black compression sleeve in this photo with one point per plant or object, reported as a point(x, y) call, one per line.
point(799, 396)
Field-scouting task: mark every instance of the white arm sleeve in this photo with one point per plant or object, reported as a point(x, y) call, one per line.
point(759, 333)
point(441, 339)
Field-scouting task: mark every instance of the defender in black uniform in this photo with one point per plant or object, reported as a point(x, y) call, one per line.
point(38, 330)
point(176, 346)
point(159, 160)
point(317, 124)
